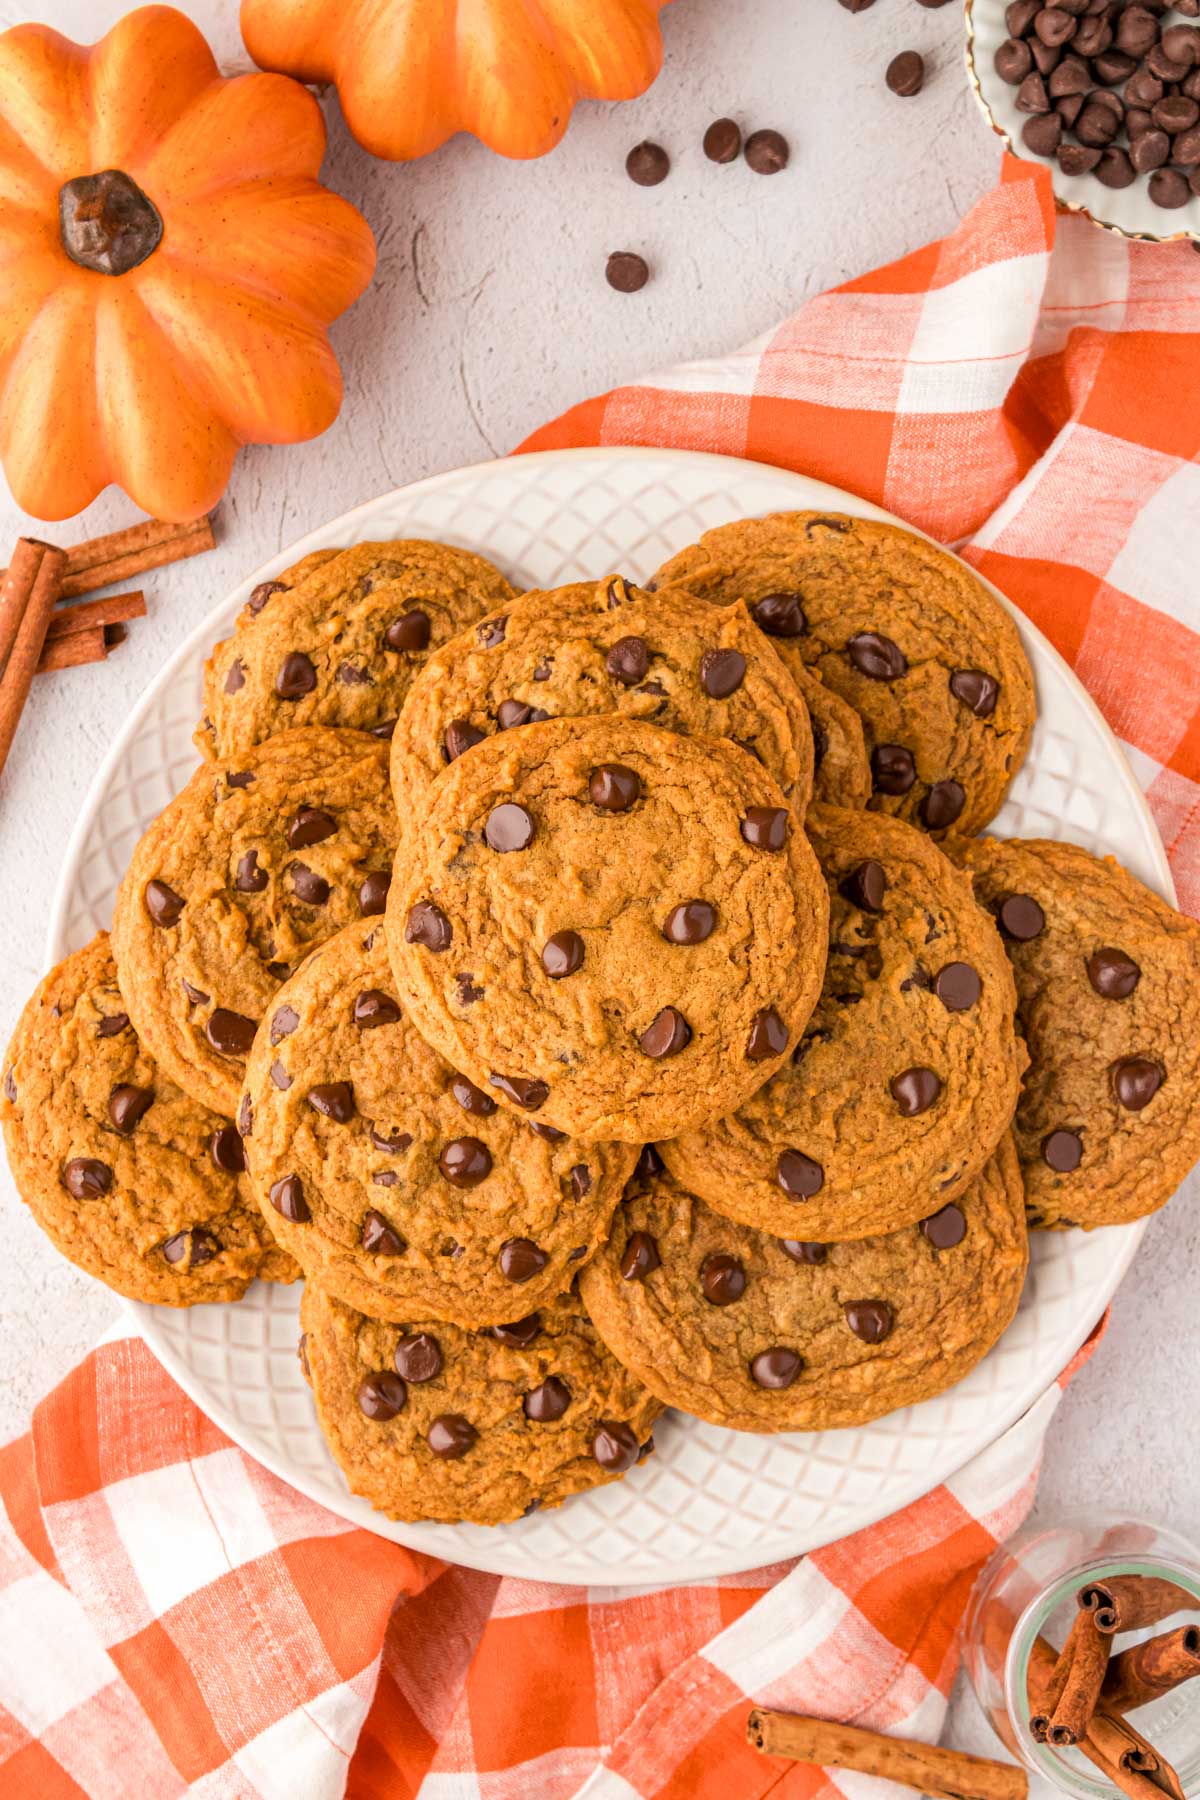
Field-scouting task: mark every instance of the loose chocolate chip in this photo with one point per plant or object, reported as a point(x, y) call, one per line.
point(287, 1197)
point(1112, 974)
point(1114, 169)
point(1143, 89)
point(225, 1149)
point(765, 827)
point(381, 1396)
point(428, 926)
point(236, 678)
point(666, 1035)
point(1020, 917)
point(722, 673)
point(865, 886)
point(1149, 150)
point(804, 1253)
point(628, 661)
point(856, 6)
point(409, 632)
point(311, 825)
point(767, 152)
point(262, 593)
point(378, 1237)
point(1180, 43)
point(520, 1334)
point(776, 1368)
point(473, 1100)
point(723, 141)
point(946, 1228)
point(1135, 1081)
point(647, 164)
point(649, 1164)
point(780, 615)
point(115, 1023)
point(1168, 188)
point(284, 1022)
point(163, 904)
point(798, 1175)
point(640, 1257)
point(942, 805)
point(562, 954)
point(613, 787)
point(87, 1178)
point(1097, 125)
point(957, 986)
point(690, 923)
point(870, 1320)
point(451, 1436)
point(877, 657)
point(906, 73)
point(1042, 135)
point(1072, 76)
point(914, 1090)
point(465, 1162)
point(581, 1181)
point(418, 1358)
point(615, 1447)
point(1062, 1151)
point(1013, 61)
point(547, 1402)
point(893, 770)
point(245, 1118)
point(509, 827)
point(230, 1033)
point(977, 691)
point(626, 271)
point(520, 1259)
point(372, 895)
point(524, 1091)
point(1054, 26)
point(333, 1100)
point(459, 736)
point(127, 1104)
point(248, 877)
point(768, 1036)
point(1032, 95)
point(373, 1007)
point(280, 1076)
point(1020, 15)
point(722, 1279)
point(308, 886)
point(296, 676)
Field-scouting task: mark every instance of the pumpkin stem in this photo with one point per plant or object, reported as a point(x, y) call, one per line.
point(107, 223)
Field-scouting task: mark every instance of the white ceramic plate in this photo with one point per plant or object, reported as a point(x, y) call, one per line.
point(710, 1501)
point(1127, 210)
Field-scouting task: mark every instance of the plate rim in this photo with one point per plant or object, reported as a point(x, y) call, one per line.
point(198, 642)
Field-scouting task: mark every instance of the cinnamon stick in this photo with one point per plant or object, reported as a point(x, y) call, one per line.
point(1081, 1689)
point(1056, 1681)
point(16, 585)
point(32, 591)
point(113, 609)
point(74, 651)
point(1133, 1781)
point(120, 555)
point(1127, 1602)
point(1146, 1671)
point(941, 1774)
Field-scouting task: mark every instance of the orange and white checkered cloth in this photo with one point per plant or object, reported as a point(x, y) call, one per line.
point(174, 1620)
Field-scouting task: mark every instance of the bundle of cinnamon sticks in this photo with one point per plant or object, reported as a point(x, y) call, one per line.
point(39, 634)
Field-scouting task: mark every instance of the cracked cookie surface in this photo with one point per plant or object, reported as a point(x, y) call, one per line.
point(258, 860)
point(428, 1421)
point(908, 1072)
point(615, 929)
point(746, 1330)
point(130, 1179)
point(399, 1185)
point(900, 629)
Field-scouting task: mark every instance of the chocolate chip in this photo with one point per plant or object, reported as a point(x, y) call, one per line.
point(115, 1023)
point(409, 632)
point(241, 778)
point(957, 986)
point(385, 1178)
point(1042, 135)
point(520, 1259)
point(626, 271)
point(284, 1022)
point(296, 676)
point(562, 954)
point(490, 632)
point(804, 1253)
point(127, 1104)
point(1013, 61)
point(451, 1436)
point(690, 923)
point(1062, 1151)
point(1032, 95)
point(666, 1035)
point(1055, 26)
point(946, 1228)
point(378, 1237)
point(640, 1257)
point(230, 1033)
point(547, 1402)
point(722, 1279)
point(245, 1118)
point(613, 787)
point(524, 1091)
point(372, 895)
point(287, 1197)
point(520, 1334)
point(776, 1368)
point(865, 886)
point(906, 73)
point(1149, 151)
point(722, 673)
point(465, 1162)
point(723, 141)
point(280, 1076)
point(509, 827)
point(511, 713)
point(977, 691)
point(581, 1181)
point(877, 657)
point(428, 926)
point(225, 1149)
point(1135, 1081)
point(765, 827)
point(382, 1396)
point(311, 825)
point(235, 680)
point(373, 1008)
point(767, 152)
point(459, 736)
point(870, 1320)
point(10, 1085)
point(780, 615)
point(1020, 917)
point(1114, 169)
point(350, 675)
point(798, 1175)
point(768, 1036)
point(308, 886)
point(248, 877)
point(649, 1164)
point(418, 1358)
point(942, 805)
point(163, 904)
point(333, 1100)
point(1112, 974)
point(1019, 16)
point(87, 1178)
point(615, 1447)
point(262, 593)
point(628, 661)
point(473, 1100)
point(647, 164)
point(893, 770)
point(914, 1090)
point(1168, 188)
point(390, 1146)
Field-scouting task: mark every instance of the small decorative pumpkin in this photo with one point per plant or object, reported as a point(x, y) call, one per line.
point(410, 73)
point(169, 266)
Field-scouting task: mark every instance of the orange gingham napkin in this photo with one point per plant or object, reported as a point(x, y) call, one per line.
point(174, 1620)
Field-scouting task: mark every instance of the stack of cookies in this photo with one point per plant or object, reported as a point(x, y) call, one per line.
point(604, 998)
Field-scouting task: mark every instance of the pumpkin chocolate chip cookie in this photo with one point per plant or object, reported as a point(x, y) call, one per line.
point(429, 1421)
point(257, 861)
point(902, 631)
point(841, 771)
point(403, 1188)
point(768, 1334)
point(604, 647)
point(338, 640)
point(1108, 996)
point(611, 928)
point(907, 1074)
point(133, 1181)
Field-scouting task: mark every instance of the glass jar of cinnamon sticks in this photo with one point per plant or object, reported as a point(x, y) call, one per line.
point(1082, 1643)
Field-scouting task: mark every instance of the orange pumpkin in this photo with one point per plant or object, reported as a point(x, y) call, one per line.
point(410, 73)
point(169, 266)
